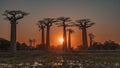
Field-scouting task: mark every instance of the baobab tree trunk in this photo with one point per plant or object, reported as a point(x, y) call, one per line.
point(42, 39)
point(31, 42)
point(48, 37)
point(34, 41)
point(13, 37)
point(69, 40)
point(91, 42)
point(84, 39)
point(65, 40)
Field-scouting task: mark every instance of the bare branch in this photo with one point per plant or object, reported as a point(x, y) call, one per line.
point(71, 30)
point(41, 24)
point(13, 15)
point(83, 23)
point(49, 21)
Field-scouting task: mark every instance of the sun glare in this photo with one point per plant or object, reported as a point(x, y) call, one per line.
point(61, 40)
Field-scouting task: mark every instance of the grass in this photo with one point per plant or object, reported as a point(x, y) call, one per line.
point(54, 59)
point(31, 56)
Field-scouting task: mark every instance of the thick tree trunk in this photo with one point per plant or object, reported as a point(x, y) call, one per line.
point(69, 40)
point(31, 43)
point(84, 39)
point(91, 42)
point(13, 37)
point(48, 37)
point(65, 39)
point(42, 38)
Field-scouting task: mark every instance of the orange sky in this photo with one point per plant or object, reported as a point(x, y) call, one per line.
point(24, 33)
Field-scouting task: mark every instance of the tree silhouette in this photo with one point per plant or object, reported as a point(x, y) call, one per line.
point(96, 46)
point(34, 41)
point(64, 22)
point(110, 45)
point(41, 25)
point(4, 44)
point(83, 24)
point(91, 36)
point(13, 16)
point(48, 23)
point(69, 38)
point(30, 42)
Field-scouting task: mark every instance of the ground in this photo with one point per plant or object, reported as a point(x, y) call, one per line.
point(40, 59)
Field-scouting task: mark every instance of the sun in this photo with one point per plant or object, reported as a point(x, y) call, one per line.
point(61, 40)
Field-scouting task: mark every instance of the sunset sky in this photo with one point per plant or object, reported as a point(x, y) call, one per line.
point(105, 13)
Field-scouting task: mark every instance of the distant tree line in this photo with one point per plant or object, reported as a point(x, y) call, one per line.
point(107, 45)
point(5, 45)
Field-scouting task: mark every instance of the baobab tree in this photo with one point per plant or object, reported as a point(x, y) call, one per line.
point(13, 16)
point(91, 36)
point(41, 26)
point(30, 42)
point(48, 23)
point(70, 31)
point(64, 22)
point(83, 24)
point(34, 42)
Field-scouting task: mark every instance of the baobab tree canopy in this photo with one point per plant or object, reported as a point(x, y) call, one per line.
point(41, 24)
point(14, 15)
point(84, 23)
point(49, 21)
point(63, 21)
point(71, 30)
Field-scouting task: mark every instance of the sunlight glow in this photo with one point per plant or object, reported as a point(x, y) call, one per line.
point(61, 40)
